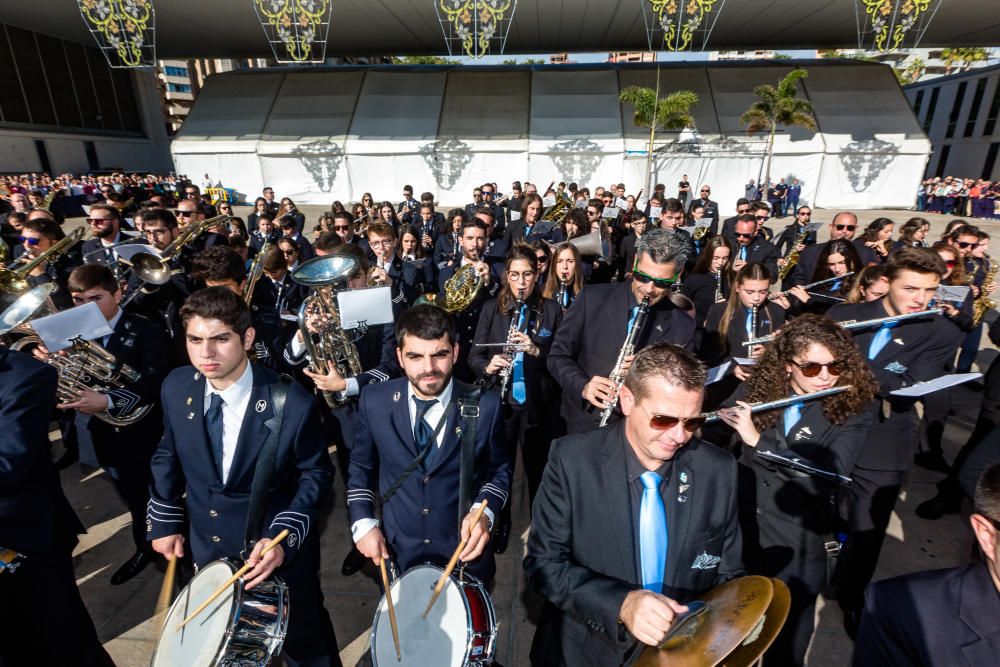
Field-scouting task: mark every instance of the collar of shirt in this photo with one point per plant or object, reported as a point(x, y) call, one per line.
point(237, 398)
point(113, 323)
point(237, 394)
point(435, 413)
point(107, 244)
point(634, 469)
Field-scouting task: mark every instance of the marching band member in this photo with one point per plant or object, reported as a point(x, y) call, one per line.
point(638, 225)
point(750, 247)
point(610, 549)
point(105, 225)
point(746, 314)
point(529, 413)
point(709, 281)
point(842, 228)
point(837, 258)
point(531, 226)
point(869, 284)
point(565, 280)
point(37, 237)
point(595, 328)
point(899, 354)
point(448, 248)
point(417, 453)
point(51, 625)
point(787, 517)
point(218, 416)
point(408, 279)
point(264, 231)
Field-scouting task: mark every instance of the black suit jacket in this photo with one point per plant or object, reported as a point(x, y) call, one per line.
point(803, 271)
point(591, 334)
point(761, 251)
point(581, 550)
point(514, 232)
point(35, 517)
point(89, 249)
point(941, 617)
point(711, 211)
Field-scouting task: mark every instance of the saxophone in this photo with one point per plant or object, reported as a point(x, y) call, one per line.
point(792, 256)
point(628, 349)
point(984, 303)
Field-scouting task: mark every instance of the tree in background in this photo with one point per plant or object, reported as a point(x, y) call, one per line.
point(423, 60)
point(912, 72)
point(778, 106)
point(962, 58)
point(672, 112)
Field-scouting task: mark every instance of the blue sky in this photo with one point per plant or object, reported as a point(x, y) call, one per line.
point(662, 56)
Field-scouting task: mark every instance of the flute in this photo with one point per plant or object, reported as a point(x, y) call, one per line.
point(781, 402)
point(833, 279)
point(851, 325)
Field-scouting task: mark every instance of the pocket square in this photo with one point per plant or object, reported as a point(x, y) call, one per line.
point(705, 561)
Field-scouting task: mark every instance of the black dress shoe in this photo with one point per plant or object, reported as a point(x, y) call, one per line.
point(932, 461)
point(133, 566)
point(353, 563)
point(938, 506)
point(852, 619)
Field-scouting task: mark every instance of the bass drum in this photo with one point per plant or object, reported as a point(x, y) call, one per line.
point(240, 628)
point(460, 630)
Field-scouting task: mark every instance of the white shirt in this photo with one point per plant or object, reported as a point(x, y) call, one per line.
point(113, 322)
point(236, 399)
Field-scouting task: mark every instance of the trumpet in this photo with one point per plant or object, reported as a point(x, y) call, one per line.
point(15, 280)
point(781, 402)
point(852, 325)
point(628, 349)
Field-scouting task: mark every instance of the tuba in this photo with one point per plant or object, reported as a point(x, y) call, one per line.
point(15, 281)
point(327, 275)
point(84, 365)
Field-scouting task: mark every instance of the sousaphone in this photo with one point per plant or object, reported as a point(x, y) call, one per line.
point(732, 625)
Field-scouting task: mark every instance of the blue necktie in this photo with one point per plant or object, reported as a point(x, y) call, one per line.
point(749, 325)
point(213, 428)
point(423, 434)
point(565, 298)
point(652, 533)
point(517, 389)
point(527, 231)
point(880, 339)
point(793, 413)
point(743, 252)
point(631, 320)
point(835, 287)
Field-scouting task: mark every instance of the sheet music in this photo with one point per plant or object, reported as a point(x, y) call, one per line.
point(943, 382)
point(57, 330)
point(610, 212)
point(717, 373)
point(368, 305)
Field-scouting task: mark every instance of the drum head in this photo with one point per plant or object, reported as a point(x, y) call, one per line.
point(442, 640)
point(199, 642)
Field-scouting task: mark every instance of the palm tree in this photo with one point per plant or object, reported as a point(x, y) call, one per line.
point(778, 106)
point(963, 57)
point(672, 112)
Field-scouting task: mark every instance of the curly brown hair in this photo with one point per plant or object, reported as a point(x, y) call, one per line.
point(770, 381)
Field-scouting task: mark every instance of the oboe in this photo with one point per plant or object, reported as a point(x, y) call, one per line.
point(628, 349)
point(781, 402)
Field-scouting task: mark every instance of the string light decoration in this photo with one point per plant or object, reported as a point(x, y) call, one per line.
point(296, 29)
point(475, 27)
point(683, 24)
point(885, 25)
point(123, 29)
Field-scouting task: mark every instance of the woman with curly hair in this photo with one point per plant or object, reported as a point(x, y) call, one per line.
point(788, 517)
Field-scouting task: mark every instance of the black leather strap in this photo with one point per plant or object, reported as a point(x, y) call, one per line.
point(415, 463)
point(264, 471)
point(468, 407)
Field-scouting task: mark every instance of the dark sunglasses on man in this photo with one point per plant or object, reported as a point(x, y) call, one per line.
point(658, 283)
point(29, 241)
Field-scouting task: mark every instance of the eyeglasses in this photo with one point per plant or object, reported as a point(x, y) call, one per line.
point(524, 275)
point(743, 235)
point(289, 252)
point(100, 221)
point(805, 213)
point(963, 245)
point(841, 228)
point(542, 259)
point(658, 283)
point(341, 228)
point(160, 231)
point(667, 422)
point(760, 217)
point(27, 239)
point(812, 368)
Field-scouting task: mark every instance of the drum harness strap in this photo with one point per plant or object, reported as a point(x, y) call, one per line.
point(264, 470)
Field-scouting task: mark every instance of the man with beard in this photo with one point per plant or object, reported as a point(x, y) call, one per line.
point(105, 228)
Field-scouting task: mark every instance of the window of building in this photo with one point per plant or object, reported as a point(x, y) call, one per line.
point(175, 71)
point(956, 108)
point(12, 105)
point(106, 101)
point(977, 101)
point(990, 162)
point(60, 81)
point(917, 102)
point(991, 120)
point(179, 87)
point(127, 105)
point(86, 94)
point(29, 65)
point(942, 161)
point(931, 107)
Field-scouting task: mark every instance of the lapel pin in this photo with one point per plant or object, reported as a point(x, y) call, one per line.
point(261, 405)
point(189, 400)
point(684, 477)
point(682, 499)
point(128, 326)
point(197, 374)
point(682, 488)
point(190, 415)
point(898, 341)
point(395, 397)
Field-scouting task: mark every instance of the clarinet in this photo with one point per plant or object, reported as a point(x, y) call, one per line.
point(753, 327)
point(508, 349)
point(718, 286)
point(628, 349)
point(560, 295)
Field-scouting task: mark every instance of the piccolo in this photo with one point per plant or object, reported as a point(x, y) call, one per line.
point(851, 325)
point(782, 402)
point(832, 279)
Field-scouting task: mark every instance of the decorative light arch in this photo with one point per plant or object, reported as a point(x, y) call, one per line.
point(296, 29)
point(123, 29)
point(888, 25)
point(475, 28)
point(685, 25)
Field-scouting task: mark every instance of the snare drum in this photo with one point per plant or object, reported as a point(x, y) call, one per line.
point(460, 630)
point(240, 627)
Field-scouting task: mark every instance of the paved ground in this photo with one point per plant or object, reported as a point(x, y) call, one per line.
point(122, 613)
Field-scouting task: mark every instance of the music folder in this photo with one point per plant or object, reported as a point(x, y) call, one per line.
point(369, 306)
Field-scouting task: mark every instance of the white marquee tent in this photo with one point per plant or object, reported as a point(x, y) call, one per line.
point(334, 133)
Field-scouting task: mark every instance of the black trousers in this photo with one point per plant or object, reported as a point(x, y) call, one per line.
point(874, 495)
point(311, 640)
point(534, 442)
point(44, 619)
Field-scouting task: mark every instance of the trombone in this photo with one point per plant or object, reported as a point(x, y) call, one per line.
point(256, 269)
point(15, 280)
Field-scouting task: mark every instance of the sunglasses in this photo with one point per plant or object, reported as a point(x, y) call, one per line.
point(841, 228)
point(812, 368)
point(706, 192)
point(740, 235)
point(659, 283)
point(29, 241)
point(760, 217)
point(963, 245)
point(95, 221)
point(805, 213)
point(667, 422)
point(183, 214)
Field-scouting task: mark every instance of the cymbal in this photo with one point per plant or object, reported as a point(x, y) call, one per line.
point(750, 650)
point(704, 638)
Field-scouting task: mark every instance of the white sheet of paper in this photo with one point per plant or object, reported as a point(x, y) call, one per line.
point(689, 230)
point(621, 203)
point(745, 361)
point(703, 223)
point(654, 212)
point(371, 305)
point(610, 212)
point(548, 201)
point(130, 250)
point(515, 215)
point(813, 227)
point(57, 330)
point(717, 373)
point(943, 382)
point(581, 203)
point(952, 293)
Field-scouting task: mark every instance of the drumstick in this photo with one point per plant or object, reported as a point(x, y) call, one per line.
point(239, 573)
point(167, 589)
point(454, 559)
point(392, 609)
